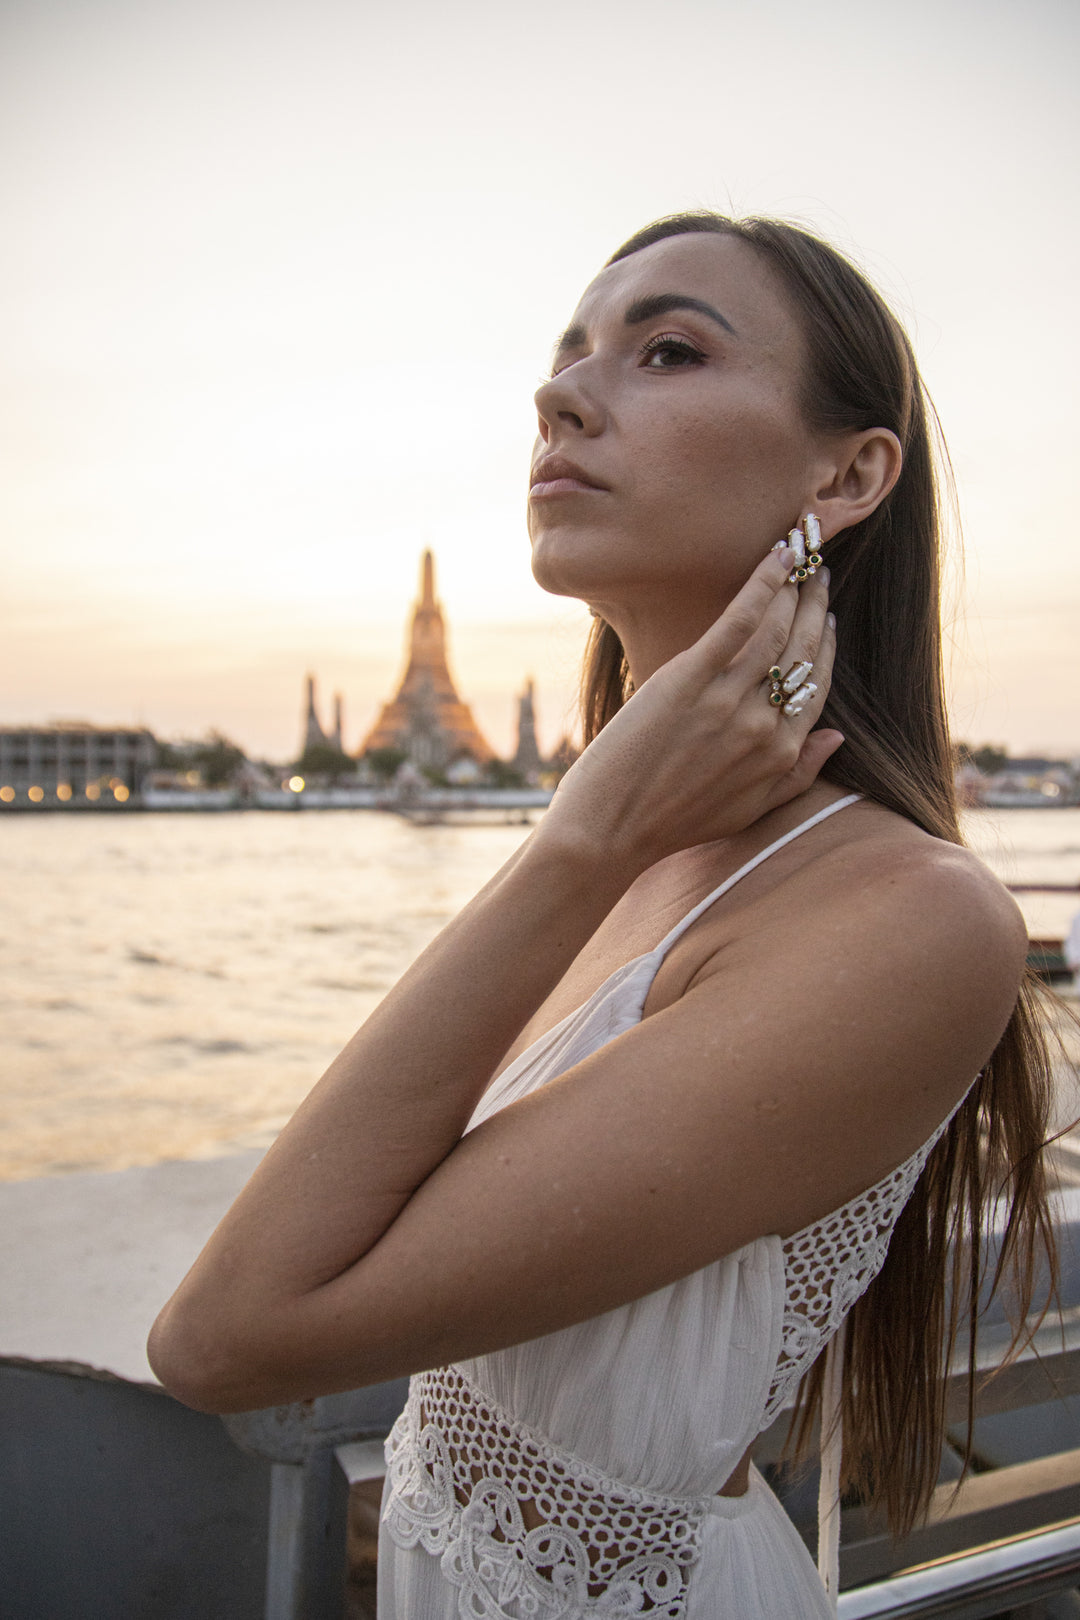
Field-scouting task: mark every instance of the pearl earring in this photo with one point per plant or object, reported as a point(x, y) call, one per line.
point(807, 549)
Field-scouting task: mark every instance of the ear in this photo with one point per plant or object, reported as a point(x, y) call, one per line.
point(855, 477)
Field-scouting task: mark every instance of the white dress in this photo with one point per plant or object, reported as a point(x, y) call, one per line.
point(577, 1474)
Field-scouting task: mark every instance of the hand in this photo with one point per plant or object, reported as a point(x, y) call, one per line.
point(699, 753)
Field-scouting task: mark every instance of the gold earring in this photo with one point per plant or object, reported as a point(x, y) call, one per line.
point(807, 549)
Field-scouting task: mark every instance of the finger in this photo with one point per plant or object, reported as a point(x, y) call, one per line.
point(743, 617)
point(813, 634)
point(807, 688)
point(817, 747)
point(786, 641)
point(826, 658)
point(809, 620)
point(816, 752)
point(797, 694)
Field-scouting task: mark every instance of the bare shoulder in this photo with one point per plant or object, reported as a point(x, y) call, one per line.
point(922, 900)
point(909, 897)
point(893, 960)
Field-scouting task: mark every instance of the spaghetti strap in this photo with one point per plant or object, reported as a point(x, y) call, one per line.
point(729, 883)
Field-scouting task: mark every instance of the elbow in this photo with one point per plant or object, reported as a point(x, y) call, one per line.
point(181, 1367)
point(197, 1366)
point(221, 1361)
point(241, 1351)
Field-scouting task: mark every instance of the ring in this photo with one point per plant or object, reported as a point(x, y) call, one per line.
point(791, 692)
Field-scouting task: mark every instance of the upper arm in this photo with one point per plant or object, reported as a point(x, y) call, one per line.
point(802, 1064)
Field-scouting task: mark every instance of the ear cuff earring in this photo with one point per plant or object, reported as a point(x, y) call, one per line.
point(807, 549)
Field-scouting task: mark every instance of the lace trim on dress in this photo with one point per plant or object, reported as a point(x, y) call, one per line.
point(524, 1530)
point(828, 1265)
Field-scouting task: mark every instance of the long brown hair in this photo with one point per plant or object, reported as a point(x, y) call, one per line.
point(887, 697)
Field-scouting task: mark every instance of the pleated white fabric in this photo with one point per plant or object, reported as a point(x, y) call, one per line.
point(577, 1475)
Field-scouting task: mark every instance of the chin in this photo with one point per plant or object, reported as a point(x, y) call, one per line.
point(558, 582)
point(584, 565)
point(558, 568)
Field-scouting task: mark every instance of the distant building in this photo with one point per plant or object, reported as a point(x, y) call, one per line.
point(970, 784)
point(312, 734)
point(988, 776)
point(73, 763)
point(426, 720)
point(526, 758)
point(1030, 784)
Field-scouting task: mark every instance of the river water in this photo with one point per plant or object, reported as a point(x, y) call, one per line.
point(173, 984)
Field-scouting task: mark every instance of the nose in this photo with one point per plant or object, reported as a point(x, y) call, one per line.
point(566, 401)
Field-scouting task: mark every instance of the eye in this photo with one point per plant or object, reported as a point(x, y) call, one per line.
point(665, 352)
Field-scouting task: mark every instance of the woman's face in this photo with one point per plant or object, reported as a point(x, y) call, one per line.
point(675, 401)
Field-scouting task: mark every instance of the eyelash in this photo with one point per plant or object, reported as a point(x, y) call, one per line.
point(678, 345)
point(655, 345)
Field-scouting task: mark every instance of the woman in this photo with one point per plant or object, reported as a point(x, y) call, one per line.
point(624, 1148)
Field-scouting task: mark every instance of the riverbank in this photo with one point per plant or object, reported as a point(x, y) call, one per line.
point(409, 802)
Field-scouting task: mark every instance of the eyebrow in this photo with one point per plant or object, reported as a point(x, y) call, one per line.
point(647, 309)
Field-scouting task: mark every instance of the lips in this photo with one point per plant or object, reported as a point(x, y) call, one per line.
point(558, 475)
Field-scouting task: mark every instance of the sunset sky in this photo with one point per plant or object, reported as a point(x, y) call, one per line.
point(280, 277)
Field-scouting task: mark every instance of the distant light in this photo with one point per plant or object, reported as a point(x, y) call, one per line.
point(35, 795)
point(120, 793)
point(7, 794)
point(296, 784)
point(93, 791)
point(1051, 790)
point(63, 791)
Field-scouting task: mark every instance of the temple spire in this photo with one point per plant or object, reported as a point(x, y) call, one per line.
point(427, 584)
point(426, 719)
point(427, 637)
point(527, 755)
point(314, 735)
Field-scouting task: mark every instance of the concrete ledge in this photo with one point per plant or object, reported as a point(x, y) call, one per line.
point(88, 1260)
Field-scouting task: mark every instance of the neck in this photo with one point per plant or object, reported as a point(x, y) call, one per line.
point(653, 632)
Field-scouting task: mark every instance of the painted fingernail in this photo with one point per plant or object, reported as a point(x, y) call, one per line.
point(830, 620)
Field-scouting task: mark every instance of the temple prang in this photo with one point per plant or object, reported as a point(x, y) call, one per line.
point(426, 719)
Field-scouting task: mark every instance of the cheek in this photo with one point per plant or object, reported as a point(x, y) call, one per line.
point(751, 449)
point(723, 489)
point(735, 460)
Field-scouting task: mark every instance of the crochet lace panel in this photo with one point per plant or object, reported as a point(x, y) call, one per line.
point(523, 1529)
point(828, 1265)
point(526, 1531)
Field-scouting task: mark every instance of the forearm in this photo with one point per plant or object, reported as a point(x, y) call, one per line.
point(283, 1297)
point(399, 1096)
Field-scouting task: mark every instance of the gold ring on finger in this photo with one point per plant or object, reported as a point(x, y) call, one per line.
point(791, 692)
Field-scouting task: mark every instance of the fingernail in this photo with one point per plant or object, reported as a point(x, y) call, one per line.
point(786, 554)
point(780, 545)
point(824, 576)
point(830, 620)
